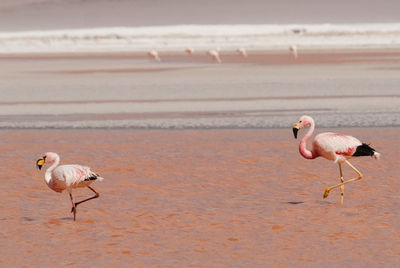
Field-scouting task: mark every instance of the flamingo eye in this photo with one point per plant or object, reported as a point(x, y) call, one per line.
point(300, 121)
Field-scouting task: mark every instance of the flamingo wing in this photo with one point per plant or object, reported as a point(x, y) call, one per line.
point(75, 175)
point(337, 144)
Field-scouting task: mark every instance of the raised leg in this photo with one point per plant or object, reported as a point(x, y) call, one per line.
point(87, 199)
point(74, 205)
point(343, 183)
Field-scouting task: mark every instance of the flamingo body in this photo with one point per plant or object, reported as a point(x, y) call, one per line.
point(242, 52)
point(189, 50)
point(214, 54)
point(67, 177)
point(154, 54)
point(293, 50)
point(335, 147)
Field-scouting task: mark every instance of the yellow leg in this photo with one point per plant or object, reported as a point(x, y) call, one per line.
point(343, 183)
point(341, 187)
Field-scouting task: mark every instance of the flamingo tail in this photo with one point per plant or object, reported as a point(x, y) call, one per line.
point(366, 150)
point(94, 177)
point(376, 155)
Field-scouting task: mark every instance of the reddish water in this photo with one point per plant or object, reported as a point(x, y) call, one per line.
point(197, 198)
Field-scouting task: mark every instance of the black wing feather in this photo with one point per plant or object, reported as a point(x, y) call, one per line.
point(364, 150)
point(92, 177)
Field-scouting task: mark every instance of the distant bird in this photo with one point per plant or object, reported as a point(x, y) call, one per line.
point(293, 50)
point(189, 50)
point(242, 52)
point(67, 177)
point(154, 54)
point(214, 55)
point(336, 147)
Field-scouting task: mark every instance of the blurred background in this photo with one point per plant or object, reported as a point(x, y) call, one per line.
point(21, 15)
point(198, 64)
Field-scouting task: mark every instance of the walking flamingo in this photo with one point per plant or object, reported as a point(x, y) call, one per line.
point(215, 55)
point(336, 147)
point(154, 54)
point(67, 177)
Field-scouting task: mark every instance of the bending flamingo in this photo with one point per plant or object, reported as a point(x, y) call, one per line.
point(67, 177)
point(242, 52)
point(336, 147)
point(154, 54)
point(215, 55)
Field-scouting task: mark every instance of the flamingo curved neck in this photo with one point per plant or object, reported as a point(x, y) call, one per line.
point(47, 175)
point(302, 147)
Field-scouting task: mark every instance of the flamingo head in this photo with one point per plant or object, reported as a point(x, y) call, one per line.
point(303, 122)
point(47, 158)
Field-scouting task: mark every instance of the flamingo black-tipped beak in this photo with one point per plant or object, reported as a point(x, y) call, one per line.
point(40, 163)
point(296, 128)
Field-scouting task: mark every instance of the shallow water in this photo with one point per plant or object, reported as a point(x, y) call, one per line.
point(353, 89)
point(198, 198)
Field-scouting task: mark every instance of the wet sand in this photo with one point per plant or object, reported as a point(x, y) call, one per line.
point(198, 198)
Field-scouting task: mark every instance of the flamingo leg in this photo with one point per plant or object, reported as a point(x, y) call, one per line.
point(73, 206)
point(343, 183)
point(341, 187)
point(87, 199)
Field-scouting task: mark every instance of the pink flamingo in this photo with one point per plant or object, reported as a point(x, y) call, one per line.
point(242, 52)
point(189, 50)
point(154, 54)
point(215, 55)
point(293, 50)
point(336, 147)
point(67, 177)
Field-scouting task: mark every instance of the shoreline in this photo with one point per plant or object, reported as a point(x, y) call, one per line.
point(174, 38)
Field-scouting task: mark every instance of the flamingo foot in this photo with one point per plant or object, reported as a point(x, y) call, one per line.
point(73, 210)
point(326, 192)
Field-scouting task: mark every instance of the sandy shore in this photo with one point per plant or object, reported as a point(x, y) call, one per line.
point(197, 198)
